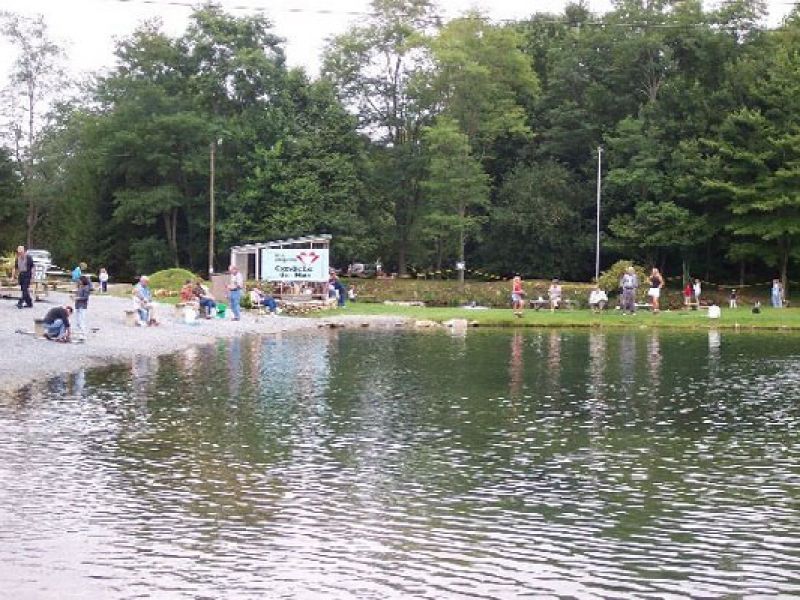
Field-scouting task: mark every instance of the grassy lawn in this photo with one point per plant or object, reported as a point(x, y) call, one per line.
point(788, 318)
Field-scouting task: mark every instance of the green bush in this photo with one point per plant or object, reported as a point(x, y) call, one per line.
point(171, 280)
point(609, 279)
point(437, 292)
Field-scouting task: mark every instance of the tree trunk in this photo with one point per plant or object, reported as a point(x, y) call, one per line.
point(31, 220)
point(461, 243)
point(170, 219)
point(784, 254)
point(33, 215)
point(741, 273)
point(402, 268)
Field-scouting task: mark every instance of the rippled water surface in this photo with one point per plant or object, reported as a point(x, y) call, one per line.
point(394, 465)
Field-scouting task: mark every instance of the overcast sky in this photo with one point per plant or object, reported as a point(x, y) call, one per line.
point(88, 28)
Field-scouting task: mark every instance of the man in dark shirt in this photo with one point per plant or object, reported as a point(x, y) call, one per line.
point(23, 269)
point(56, 323)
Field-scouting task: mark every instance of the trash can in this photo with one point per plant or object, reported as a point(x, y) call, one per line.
point(221, 309)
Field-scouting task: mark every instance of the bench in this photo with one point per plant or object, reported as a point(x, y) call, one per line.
point(565, 304)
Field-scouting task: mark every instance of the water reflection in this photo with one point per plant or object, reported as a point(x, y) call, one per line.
point(627, 362)
point(516, 365)
point(391, 465)
point(554, 360)
point(597, 363)
point(654, 359)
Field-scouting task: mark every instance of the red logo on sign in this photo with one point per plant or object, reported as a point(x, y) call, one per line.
point(308, 258)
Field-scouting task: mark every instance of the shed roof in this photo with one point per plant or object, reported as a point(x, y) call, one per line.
point(322, 238)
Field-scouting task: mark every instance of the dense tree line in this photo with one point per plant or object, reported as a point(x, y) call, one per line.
point(427, 142)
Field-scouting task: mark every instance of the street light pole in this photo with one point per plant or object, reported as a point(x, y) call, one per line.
point(599, 183)
point(212, 215)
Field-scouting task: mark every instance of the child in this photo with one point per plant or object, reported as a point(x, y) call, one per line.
point(732, 299)
point(81, 305)
point(103, 276)
point(687, 294)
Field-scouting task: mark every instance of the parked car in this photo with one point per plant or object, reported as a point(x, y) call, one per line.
point(363, 270)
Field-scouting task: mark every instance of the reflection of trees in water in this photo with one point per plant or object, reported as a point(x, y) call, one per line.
point(296, 366)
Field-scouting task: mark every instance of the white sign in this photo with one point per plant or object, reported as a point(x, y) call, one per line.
point(294, 264)
point(39, 271)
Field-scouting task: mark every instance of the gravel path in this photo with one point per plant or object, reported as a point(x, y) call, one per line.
point(27, 358)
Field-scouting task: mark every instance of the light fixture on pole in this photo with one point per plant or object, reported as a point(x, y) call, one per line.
point(599, 184)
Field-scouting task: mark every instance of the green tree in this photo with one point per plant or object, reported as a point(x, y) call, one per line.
point(482, 80)
point(380, 70)
point(656, 228)
point(11, 207)
point(36, 74)
point(537, 228)
point(457, 186)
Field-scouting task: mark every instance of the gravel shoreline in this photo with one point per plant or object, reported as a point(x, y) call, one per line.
point(29, 359)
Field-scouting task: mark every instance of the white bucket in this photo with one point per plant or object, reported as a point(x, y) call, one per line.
point(189, 315)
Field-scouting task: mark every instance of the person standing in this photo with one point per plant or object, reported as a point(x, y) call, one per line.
point(23, 271)
point(77, 272)
point(687, 294)
point(82, 304)
point(339, 290)
point(776, 294)
point(732, 301)
point(697, 289)
point(235, 287)
point(629, 284)
point(656, 283)
point(103, 277)
point(517, 296)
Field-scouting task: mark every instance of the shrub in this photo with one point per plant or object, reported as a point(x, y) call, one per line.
point(7, 264)
point(609, 279)
point(170, 279)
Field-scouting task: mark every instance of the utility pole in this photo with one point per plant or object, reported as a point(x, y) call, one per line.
point(212, 215)
point(599, 184)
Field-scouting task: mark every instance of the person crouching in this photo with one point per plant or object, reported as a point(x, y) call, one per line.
point(56, 323)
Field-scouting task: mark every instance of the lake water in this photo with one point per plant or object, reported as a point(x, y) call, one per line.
point(357, 464)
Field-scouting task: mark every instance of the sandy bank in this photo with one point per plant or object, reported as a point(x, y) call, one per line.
point(27, 358)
